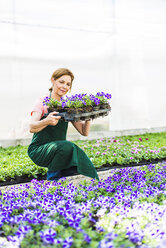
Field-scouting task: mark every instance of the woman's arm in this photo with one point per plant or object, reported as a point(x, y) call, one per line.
point(82, 127)
point(36, 125)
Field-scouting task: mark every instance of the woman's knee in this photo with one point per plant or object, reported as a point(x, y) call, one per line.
point(67, 146)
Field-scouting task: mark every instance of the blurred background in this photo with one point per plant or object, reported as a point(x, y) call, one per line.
point(115, 46)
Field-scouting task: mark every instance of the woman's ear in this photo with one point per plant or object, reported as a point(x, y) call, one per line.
point(52, 80)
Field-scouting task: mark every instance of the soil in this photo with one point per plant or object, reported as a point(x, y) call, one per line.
point(85, 109)
point(75, 110)
point(104, 106)
point(57, 109)
point(88, 109)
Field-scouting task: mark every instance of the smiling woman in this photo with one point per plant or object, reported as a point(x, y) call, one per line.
point(49, 147)
point(62, 78)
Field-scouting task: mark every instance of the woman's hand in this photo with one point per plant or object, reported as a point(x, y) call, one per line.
point(52, 119)
point(36, 124)
point(83, 127)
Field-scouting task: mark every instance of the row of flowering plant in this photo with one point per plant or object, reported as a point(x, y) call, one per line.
point(79, 100)
point(14, 161)
point(126, 209)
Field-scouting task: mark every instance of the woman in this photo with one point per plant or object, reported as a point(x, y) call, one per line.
point(49, 147)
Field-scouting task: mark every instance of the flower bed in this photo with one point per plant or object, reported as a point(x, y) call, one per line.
point(126, 150)
point(104, 153)
point(125, 210)
point(80, 106)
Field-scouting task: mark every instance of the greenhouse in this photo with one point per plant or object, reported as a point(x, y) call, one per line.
point(83, 124)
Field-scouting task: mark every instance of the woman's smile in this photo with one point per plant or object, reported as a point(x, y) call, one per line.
point(63, 91)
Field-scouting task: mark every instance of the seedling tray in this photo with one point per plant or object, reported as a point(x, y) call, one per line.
point(83, 116)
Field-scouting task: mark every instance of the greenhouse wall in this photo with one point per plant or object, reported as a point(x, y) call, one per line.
point(112, 46)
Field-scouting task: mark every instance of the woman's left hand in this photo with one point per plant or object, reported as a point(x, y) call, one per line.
point(82, 127)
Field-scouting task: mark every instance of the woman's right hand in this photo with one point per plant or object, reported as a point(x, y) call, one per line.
point(36, 124)
point(52, 118)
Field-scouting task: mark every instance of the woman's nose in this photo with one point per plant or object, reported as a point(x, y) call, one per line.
point(65, 86)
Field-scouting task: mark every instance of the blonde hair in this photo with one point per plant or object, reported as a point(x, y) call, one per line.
point(61, 72)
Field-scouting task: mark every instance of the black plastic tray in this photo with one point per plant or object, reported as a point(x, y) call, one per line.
point(83, 116)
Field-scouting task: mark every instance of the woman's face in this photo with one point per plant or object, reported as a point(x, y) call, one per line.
point(61, 85)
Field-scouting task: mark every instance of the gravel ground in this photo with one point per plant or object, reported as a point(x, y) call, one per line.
point(78, 178)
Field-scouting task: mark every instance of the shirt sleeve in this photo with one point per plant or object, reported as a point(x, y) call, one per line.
point(39, 107)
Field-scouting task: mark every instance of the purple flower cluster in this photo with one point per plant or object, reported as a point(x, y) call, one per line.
point(134, 235)
point(107, 95)
point(50, 209)
point(121, 151)
point(79, 100)
point(48, 236)
point(46, 101)
point(68, 242)
point(107, 242)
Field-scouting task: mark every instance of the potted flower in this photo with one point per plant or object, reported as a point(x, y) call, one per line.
point(103, 99)
point(80, 103)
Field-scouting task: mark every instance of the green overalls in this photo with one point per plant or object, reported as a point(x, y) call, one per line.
point(49, 148)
